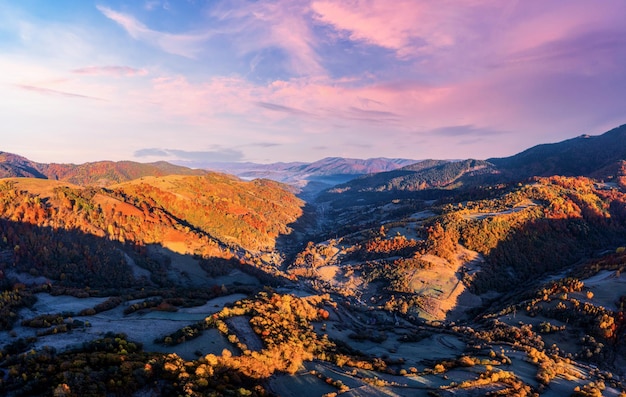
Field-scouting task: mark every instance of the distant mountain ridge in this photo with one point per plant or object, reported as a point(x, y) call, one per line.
point(424, 175)
point(348, 166)
point(101, 173)
point(298, 172)
point(584, 155)
point(13, 165)
point(312, 178)
point(317, 176)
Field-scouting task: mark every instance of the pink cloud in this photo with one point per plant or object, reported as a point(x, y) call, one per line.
point(198, 103)
point(404, 26)
point(531, 25)
point(251, 26)
point(476, 65)
point(315, 104)
point(135, 28)
point(453, 41)
point(110, 71)
point(289, 29)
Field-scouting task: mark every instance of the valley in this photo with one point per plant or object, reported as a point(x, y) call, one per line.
point(438, 278)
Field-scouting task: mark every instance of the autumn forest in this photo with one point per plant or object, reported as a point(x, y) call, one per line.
point(477, 277)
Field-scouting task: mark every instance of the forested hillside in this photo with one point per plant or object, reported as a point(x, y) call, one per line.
point(246, 214)
point(67, 232)
point(429, 174)
point(542, 227)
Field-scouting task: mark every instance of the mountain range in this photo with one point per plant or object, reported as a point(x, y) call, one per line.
point(326, 168)
point(317, 175)
point(599, 156)
point(311, 178)
point(101, 173)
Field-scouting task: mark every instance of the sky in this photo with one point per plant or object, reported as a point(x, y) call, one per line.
point(193, 81)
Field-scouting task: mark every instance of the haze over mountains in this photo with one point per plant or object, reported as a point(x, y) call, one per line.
point(431, 278)
point(314, 177)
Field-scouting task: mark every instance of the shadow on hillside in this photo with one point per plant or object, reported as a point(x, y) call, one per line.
point(530, 255)
point(127, 309)
point(546, 246)
point(308, 227)
point(75, 260)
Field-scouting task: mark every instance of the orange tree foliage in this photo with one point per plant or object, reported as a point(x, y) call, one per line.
point(67, 233)
point(115, 366)
point(249, 214)
point(73, 258)
point(398, 245)
point(61, 236)
point(284, 326)
point(104, 173)
point(564, 220)
point(12, 298)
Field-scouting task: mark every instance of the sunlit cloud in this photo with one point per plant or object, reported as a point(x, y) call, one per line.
point(152, 152)
point(407, 27)
point(374, 22)
point(154, 4)
point(589, 52)
point(464, 130)
point(261, 144)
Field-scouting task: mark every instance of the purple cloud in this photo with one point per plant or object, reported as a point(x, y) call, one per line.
point(126, 71)
point(48, 91)
point(281, 108)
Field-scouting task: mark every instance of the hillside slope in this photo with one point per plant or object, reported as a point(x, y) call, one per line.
point(580, 156)
point(428, 179)
point(212, 216)
point(247, 214)
point(12, 165)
